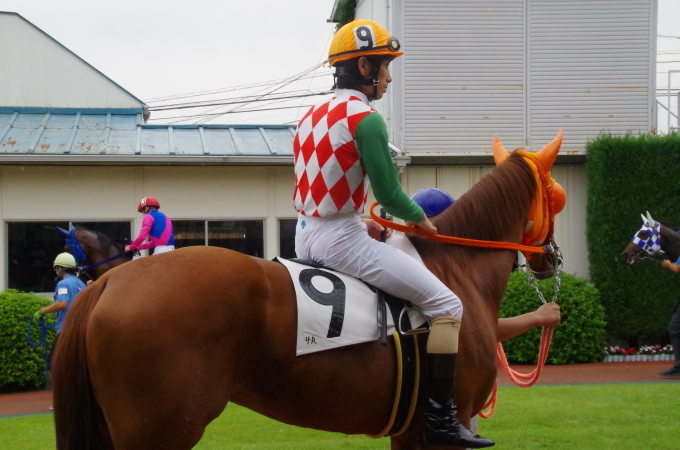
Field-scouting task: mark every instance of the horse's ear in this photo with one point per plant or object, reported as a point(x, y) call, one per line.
point(652, 222)
point(644, 219)
point(63, 231)
point(548, 153)
point(499, 152)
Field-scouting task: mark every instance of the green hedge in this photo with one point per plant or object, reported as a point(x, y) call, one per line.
point(22, 366)
point(580, 336)
point(627, 176)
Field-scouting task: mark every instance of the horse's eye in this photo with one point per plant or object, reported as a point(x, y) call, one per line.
point(643, 234)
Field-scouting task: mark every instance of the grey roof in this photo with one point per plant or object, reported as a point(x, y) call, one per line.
point(92, 136)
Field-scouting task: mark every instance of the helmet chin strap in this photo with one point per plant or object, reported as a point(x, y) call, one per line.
point(376, 73)
point(367, 81)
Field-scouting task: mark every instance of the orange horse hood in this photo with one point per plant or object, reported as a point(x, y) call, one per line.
point(550, 196)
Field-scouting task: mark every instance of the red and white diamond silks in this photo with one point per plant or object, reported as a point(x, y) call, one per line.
point(329, 175)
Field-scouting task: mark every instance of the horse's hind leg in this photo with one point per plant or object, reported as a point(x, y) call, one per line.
point(170, 415)
point(155, 400)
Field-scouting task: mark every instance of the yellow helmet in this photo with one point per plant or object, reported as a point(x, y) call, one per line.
point(362, 38)
point(65, 260)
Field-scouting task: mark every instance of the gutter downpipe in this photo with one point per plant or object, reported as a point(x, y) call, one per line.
point(400, 160)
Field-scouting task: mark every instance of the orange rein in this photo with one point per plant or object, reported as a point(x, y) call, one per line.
point(517, 377)
point(454, 240)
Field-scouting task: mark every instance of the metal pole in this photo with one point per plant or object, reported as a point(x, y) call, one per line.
point(669, 98)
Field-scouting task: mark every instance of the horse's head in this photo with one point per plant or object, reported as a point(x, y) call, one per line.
point(93, 250)
point(651, 241)
point(548, 201)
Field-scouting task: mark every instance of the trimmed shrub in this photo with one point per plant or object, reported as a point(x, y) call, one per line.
point(580, 336)
point(627, 176)
point(22, 366)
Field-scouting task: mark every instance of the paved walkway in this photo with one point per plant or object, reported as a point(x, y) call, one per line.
point(616, 372)
point(622, 372)
point(25, 403)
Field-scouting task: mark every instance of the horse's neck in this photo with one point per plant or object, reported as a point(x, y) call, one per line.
point(670, 242)
point(496, 209)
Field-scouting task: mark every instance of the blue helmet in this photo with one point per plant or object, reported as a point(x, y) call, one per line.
point(433, 201)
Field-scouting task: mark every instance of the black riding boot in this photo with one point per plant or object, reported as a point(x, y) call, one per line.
point(443, 427)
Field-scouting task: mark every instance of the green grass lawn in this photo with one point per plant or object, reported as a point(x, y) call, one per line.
point(632, 416)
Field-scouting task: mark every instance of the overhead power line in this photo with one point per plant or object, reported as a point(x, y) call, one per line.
point(281, 85)
point(233, 112)
point(251, 99)
point(307, 74)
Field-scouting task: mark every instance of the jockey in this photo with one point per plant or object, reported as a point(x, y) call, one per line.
point(156, 225)
point(340, 147)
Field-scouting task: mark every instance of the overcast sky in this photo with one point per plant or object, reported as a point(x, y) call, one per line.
point(156, 48)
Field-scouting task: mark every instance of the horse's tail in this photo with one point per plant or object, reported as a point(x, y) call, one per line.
point(79, 420)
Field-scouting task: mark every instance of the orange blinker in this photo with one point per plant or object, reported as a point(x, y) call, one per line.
point(559, 198)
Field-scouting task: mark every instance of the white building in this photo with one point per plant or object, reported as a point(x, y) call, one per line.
point(522, 70)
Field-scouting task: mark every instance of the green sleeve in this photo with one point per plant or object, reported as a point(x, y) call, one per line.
point(371, 138)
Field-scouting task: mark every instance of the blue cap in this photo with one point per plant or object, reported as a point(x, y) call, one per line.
point(433, 201)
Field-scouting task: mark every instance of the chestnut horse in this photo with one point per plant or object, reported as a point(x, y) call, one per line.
point(155, 349)
point(653, 241)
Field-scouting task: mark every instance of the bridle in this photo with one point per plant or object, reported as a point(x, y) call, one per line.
point(650, 247)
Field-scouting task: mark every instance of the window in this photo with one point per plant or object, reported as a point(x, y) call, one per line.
point(245, 236)
point(32, 247)
point(189, 233)
point(287, 238)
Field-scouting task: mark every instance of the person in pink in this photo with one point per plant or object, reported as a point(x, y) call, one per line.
point(156, 226)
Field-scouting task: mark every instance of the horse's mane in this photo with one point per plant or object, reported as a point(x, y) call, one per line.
point(103, 240)
point(491, 210)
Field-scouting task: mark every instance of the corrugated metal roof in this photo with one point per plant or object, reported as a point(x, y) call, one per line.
point(108, 136)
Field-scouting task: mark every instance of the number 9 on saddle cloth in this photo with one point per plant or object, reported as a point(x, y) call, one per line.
point(335, 310)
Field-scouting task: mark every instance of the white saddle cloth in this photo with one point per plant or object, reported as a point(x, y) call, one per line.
point(335, 310)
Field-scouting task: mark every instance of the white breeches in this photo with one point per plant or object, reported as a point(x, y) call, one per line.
point(157, 250)
point(342, 243)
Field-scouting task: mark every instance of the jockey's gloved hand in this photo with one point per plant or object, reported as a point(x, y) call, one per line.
point(38, 315)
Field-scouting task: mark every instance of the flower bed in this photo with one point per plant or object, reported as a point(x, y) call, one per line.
point(644, 353)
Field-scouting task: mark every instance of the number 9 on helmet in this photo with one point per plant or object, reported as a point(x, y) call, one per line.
point(362, 38)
